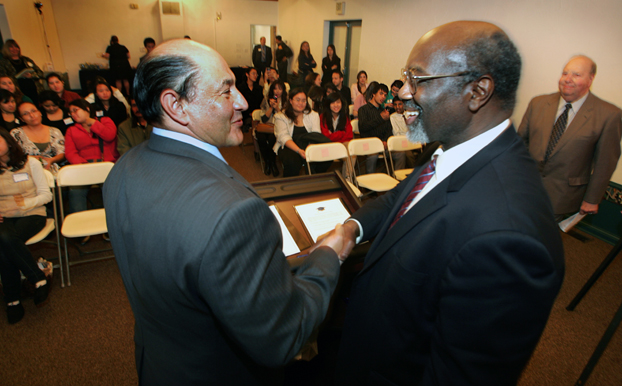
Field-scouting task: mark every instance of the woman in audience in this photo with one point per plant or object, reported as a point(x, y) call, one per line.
point(53, 113)
point(315, 98)
point(330, 63)
point(45, 143)
point(360, 86)
point(24, 192)
point(312, 79)
point(295, 128)
point(106, 104)
point(119, 59)
point(89, 140)
point(306, 63)
point(334, 121)
point(272, 104)
point(362, 99)
point(21, 67)
point(8, 107)
point(6, 83)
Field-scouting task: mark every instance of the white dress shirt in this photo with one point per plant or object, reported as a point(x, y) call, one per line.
point(208, 147)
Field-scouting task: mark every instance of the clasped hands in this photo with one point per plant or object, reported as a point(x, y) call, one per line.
point(341, 239)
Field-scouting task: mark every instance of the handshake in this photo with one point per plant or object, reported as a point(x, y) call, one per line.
point(341, 239)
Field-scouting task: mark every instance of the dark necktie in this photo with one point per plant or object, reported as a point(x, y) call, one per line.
point(263, 53)
point(424, 178)
point(558, 130)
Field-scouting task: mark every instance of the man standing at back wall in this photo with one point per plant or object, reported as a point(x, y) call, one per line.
point(574, 137)
point(214, 299)
point(262, 56)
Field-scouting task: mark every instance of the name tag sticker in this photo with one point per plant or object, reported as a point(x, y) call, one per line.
point(68, 121)
point(19, 177)
point(99, 113)
point(17, 121)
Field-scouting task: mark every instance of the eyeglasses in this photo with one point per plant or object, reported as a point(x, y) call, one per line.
point(413, 79)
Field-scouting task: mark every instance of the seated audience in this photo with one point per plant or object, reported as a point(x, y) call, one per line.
point(22, 215)
point(337, 78)
point(56, 84)
point(358, 103)
point(252, 92)
point(106, 105)
point(133, 131)
point(270, 106)
point(295, 128)
point(330, 88)
point(273, 75)
point(54, 114)
point(374, 121)
point(8, 107)
point(7, 83)
point(115, 92)
point(360, 87)
point(45, 143)
point(90, 139)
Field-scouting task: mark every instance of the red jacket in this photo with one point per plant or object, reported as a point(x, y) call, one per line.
point(338, 135)
point(81, 146)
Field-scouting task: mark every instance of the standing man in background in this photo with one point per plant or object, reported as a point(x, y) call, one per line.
point(574, 136)
point(262, 56)
point(283, 52)
point(200, 253)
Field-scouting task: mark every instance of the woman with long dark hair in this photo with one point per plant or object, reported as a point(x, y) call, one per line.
point(54, 114)
point(106, 104)
point(295, 128)
point(22, 68)
point(334, 121)
point(330, 63)
point(8, 107)
point(24, 192)
point(360, 87)
point(306, 63)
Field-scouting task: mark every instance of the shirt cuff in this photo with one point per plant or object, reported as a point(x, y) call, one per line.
point(360, 237)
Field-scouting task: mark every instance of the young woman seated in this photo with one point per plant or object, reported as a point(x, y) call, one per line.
point(272, 104)
point(54, 114)
point(8, 107)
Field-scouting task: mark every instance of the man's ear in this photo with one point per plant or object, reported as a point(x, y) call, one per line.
point(174, 107)
point(481, 91)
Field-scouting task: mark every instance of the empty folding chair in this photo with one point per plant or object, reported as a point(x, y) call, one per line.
point(378, 182)
point(329, 152)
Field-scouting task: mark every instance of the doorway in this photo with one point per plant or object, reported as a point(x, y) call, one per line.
point(269, 32)
point(346, 36)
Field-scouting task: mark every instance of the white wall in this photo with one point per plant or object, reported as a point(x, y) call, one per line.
point(85, 27)
point(546, 32)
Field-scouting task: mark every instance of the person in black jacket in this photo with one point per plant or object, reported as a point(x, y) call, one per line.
point(106, 104)
point(330, 63)
point(262, 56)
point(283, 52)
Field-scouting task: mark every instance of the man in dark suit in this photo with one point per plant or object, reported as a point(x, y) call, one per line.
point(215, 301)
point(262, 56)
point(577, 150)
point(283, 52)
point(460, 279)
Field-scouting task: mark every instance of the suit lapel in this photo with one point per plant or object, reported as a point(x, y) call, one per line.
point(580, 119)
point(181, 149)
point(436, 199)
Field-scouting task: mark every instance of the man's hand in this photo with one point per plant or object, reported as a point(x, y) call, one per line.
point(385, 114)
point(587, 208)
point(347, 234)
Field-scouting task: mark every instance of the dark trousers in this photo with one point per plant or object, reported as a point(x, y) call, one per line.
point(282, 67)
point(15, 256)
point(292, 162)
point(266, 143)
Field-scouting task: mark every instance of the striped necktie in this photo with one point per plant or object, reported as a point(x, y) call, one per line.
point(424, 178)
point(558, 130)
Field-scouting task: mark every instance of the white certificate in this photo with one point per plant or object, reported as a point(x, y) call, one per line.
point(289, 245)
point(322, 216)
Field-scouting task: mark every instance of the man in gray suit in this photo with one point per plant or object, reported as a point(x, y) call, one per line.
point(574, 137)
point(214, 299)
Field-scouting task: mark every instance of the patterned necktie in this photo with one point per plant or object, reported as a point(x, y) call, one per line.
point(263, 53)
point(424, 178)
point(558, 130)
